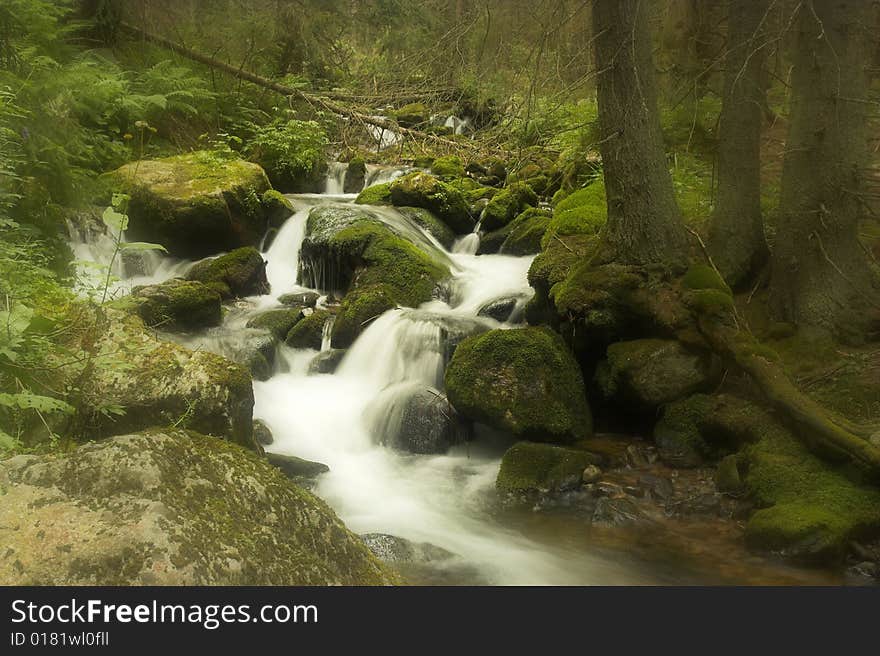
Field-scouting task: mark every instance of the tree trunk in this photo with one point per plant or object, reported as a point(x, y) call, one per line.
point(736, 233)
point(644, 222)
point(821, 277)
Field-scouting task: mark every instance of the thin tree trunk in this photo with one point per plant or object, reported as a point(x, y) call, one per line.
point(821, 276)
point(644, 222)
point(736, 233)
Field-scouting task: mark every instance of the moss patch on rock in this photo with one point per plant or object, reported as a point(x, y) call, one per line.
point(177, 305)
point(530, 467)
point(582, 213)
point(170, 507)
point(522, 381)
point(308, 332)
point(379, 194)
point(507, 204)
point(277, 322)
point(448, 166)
point(447, 203)
point(195, 205)
point(239, 273)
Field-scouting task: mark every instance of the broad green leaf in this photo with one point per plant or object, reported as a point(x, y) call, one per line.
point(114, 220)
point(29, 401)
point(141, 246)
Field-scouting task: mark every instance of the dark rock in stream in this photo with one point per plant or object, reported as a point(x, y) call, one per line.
point(501, 309)
point(428, 424)
point(305, 299)
point(327, 361)
point(296, 469)
point(262, 433)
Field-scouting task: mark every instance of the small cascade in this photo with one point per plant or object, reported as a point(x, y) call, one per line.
point(383, 137)
point(458, 125)
point(327, 334)
point(335, 183)
point(282, 258)
point(467, 245)
point(377, 174)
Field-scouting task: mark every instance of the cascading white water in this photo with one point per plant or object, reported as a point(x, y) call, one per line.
point(327, 334)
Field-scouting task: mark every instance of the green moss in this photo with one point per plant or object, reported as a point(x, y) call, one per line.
point(277, 322)
point(444, 201)
point(525, 232)
point(379, 194)
point(176, 305)
point(582, 213)
point(278, 208)
point(308, 333)
point(412, 115)
point(523, 381)
point(448, 166)
point(432, 225)
point(678, 434)
point(533, 467)
point(507, 204)
point(242, 271)
point(702, 276)
point(711, 302)
point(811, 509)
point(359, 307)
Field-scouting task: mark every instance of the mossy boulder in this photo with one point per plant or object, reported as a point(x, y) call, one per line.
point(349, 251)
point(583, 212)
point(299, 299)
point(412, 115)
point(507, 204)
point(277, 322)
point(308, 333)
point(379, 194)
point(448, 166)
point(170, 507)
point(176, 305)
point(432, 225)
point(809, 510)
point(195, 205)
point(525, 232)
point(355, 176)
point(278, 208)
point(445, 202)
point(163, 384)
point(648, 373)
point(530, 467)
point(239, 273)
point(522, 381)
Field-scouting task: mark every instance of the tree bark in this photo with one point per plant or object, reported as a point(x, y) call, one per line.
point(644, 222)
point(821, 276)
point(736, 232)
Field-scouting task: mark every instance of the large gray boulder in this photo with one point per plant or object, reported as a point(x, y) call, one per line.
point(170, 508)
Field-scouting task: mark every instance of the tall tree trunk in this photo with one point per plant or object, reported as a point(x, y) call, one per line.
point(736, 233)
point(644, 222)
point(821, 276)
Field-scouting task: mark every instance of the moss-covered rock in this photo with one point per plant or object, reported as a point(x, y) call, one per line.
point(445, 202)
point(309, 332)
point(176, 305)
point(355, 176)
point(163, 384)
point(170, 508)
point(412, 115)
point(809, 510)
point(277, 322)
point(448, 166)
point(379, 194)
point(278, 208)
point(239, 273)
point(432, 225)
point(358, 309)
point(522, 381)
point(529, 467)
point(584, 212)
point(525, 232)
point(648, 373)
point(507, 204)
point(195, 205)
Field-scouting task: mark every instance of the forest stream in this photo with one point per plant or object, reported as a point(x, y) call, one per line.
point(445, 503)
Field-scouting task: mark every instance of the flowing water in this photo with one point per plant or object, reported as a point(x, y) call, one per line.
point(339, 419)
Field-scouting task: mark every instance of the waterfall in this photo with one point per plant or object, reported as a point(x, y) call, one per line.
point(327, 334)
point(282, 258)
point(467, 245)
point(335, 183)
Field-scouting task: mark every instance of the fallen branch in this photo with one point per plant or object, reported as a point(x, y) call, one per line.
point(324, 103)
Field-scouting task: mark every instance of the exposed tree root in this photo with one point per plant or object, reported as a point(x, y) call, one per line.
point(812, 423)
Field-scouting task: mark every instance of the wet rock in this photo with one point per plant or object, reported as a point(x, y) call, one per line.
point(727, 478)
point(617, 511)
point(432, 225)
point(296, 468)
point(194, 205)
point(326, 362)
point(300, 299)
point(355, 176)
point(532, 467)
point(523, 381)
point(445, 202)
point(591, 474)
point(395, 550)
point(500, 309)
point(278, 322)
point(170, 507)
point(237, 274)
point(262, 433)
point(309, 332)
point(507, 205)
point(649, 373)
point(428, 424)
point(176, 305)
